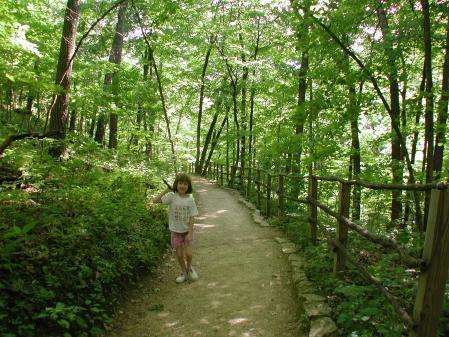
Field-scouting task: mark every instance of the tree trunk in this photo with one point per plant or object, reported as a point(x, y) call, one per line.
point(81, 125)
point(396, 155)
point(243, 116)
point(209, 137)
point(73, 116)
point(116, 57)
point(213, 145)
point(301, 113)
point(92, 126)
point(59, 108)
point(442, 110)
point(200, 109)
point(354, 112)
point(429, 132)
point(73, 113)
point(237, 129)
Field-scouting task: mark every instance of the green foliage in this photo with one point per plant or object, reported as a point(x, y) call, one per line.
point(72, 242)
point(358, 307)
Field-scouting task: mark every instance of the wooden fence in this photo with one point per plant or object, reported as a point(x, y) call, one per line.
point(269, 190)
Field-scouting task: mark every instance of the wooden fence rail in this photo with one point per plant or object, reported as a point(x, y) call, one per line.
point(270, 193)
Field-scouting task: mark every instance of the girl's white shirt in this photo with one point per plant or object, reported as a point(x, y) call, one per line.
point(180, 210)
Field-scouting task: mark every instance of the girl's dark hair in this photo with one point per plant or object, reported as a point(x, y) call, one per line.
point(184, 178)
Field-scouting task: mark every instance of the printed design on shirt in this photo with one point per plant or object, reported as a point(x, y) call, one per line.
point(181, 213)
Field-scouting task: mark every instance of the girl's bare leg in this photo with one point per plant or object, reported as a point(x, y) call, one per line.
point(188, 256)
point(180, 255)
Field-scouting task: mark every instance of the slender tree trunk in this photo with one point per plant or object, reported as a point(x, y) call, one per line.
point(200, 109)
point(32, 92)
point(301, 113)
point(134, 140)
point(73, 114)
point(92, 126)
point(116, 57)
point(429, 132)
point(228, 108)
point(251, 112)
point(236, 151)
point(442, 110)
point(209, 137)
point(81, 125)
point(59, 108)
point(213, 145)
point(243, 116)
point(355, 150)
point(250, 140)
point(396, 155)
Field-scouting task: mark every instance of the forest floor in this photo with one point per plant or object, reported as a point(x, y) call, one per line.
point(244, 287)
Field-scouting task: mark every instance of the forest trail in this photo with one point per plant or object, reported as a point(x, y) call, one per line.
point(244, 288)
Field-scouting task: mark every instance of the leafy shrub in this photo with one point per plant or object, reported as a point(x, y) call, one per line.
point(71, 245)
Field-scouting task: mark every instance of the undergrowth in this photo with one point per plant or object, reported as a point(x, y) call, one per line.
point(75, 232)
point(358, 307)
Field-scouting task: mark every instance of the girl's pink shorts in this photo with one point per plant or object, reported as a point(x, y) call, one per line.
point(179, 239)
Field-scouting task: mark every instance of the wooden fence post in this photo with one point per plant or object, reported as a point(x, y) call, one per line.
point(313, 220)
point(281, 194)
point(432, 281)
point(259, 201)
point(342, 229)
point(268, 195)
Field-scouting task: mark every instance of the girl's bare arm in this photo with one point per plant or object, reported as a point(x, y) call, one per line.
point(158, 199)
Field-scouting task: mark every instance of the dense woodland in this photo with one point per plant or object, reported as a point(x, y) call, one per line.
point(100, 100)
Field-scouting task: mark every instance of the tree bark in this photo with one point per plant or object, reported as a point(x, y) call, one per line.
point(200, 109)
point(59, 107)
point(208, 137)
point(396, 155)
point(429, 131)
point(214, 144)
point(116, 57)
point(243, 115)
point(442, 110)
point(354, 112)
point(301, 113)
point(251, 112)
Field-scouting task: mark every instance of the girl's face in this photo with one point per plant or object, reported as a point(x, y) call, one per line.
point(182, 187)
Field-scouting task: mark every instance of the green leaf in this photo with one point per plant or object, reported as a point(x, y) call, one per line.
point(64, 323)
point(13, 232)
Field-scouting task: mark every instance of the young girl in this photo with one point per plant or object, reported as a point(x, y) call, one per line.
point(182, 210)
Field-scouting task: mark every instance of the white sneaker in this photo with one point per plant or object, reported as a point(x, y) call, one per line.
point(193, 276)
point(181, 278)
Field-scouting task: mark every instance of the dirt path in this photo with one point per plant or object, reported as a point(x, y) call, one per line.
point(244, 288)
